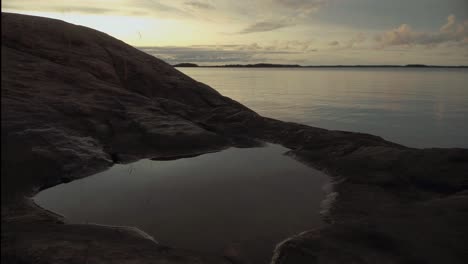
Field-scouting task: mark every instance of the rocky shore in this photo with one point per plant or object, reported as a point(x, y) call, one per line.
point(75, 101)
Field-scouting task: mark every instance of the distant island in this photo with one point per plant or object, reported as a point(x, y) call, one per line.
point(186, 65)
point(260, 65)
point(270, 65)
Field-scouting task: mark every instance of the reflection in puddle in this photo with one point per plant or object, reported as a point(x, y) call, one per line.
point(238, 202)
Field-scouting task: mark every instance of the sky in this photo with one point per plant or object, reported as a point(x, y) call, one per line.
point(306, 32)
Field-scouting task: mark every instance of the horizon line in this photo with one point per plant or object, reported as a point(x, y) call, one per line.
point(279, 65)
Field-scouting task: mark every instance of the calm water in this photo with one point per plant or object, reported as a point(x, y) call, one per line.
point(235, 202)
point(411, 106)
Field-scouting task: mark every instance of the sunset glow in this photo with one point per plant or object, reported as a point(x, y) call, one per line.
point(312, 32)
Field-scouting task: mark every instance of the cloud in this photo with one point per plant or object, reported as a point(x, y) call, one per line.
point(122, 7)
point(200, 5)
point(264, 26)
point(448, 27)
point(358, 38)
point(405, 35)
point(349, 43)
point(293, 45)
point(231, 53)
point(302, 7)
point(24, 6)
point(284, 13)
point(197, 54)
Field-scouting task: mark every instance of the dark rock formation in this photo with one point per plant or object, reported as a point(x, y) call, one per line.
point(74, 101)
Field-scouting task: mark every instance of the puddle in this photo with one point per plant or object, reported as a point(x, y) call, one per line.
point(240, 201)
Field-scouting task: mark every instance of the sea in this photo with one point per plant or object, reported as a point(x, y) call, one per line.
point(416, 107)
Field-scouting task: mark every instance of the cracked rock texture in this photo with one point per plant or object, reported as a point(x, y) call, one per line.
point(75, 101)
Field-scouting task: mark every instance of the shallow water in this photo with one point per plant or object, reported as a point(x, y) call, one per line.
point(236, 202)
point(411, 106)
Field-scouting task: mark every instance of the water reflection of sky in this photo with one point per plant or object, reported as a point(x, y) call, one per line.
point(237, 200)
point(415, 107)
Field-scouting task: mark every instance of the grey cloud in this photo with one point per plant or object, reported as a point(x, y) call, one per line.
point(293, 45)
point(154, 6)
point(358, 38)
point(292, 13)
point(264, 26)
point(200, 5)
point(198, 54)
point(405, 35)
point(140, 7)
point(349, 43)
point(212, 54)
point(304, 4)
point(58, 8)
point(302, 7)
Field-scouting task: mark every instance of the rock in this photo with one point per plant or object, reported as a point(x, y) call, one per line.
point(75, 101)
